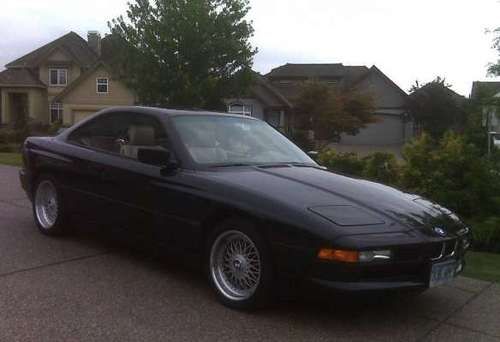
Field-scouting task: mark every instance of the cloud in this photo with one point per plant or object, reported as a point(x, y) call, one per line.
point(407, 40)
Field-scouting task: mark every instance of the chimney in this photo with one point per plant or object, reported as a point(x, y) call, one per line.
point(94, 41)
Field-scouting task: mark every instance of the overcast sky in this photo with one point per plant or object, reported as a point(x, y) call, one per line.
point(407, 40)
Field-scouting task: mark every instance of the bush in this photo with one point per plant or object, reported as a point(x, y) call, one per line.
point(301, 138)
point(382, 167)
point(6, 135)
point(453, 174)
point(486, 235)
point(347, 163)
point(10, 148)
point(11, 135)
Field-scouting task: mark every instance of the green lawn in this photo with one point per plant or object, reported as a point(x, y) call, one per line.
point(484, 266)
point(13, 159)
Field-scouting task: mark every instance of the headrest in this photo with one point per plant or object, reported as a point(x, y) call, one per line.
point(141, 135)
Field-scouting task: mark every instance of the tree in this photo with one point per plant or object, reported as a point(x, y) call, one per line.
point(184, 53)
point(478, 111)
point(436, 108)
point(329, 111)
point(494, 69)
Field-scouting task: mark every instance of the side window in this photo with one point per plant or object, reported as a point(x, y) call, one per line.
point(122, 134)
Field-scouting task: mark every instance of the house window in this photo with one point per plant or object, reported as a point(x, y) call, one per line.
point(58, 77)
point(274, 119)
point(102, 85)
point(56, 112)
point(242, 109)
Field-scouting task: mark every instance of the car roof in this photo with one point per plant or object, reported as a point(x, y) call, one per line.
point(168, 112)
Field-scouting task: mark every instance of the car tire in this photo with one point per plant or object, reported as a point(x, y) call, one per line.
point(239, 265)
point(48, 207)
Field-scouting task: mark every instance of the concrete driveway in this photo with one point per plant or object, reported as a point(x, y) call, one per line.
point(83, 288)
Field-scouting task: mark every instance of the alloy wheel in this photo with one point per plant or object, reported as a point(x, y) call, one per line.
point(235, 265)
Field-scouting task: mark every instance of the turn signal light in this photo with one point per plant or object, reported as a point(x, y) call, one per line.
point(338, 255)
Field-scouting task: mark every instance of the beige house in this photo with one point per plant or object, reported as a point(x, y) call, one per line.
point(61, 82)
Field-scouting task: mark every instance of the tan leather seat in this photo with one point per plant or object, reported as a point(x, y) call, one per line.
point(139, 136)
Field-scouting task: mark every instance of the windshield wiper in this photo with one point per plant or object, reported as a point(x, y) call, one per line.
point(232, 164)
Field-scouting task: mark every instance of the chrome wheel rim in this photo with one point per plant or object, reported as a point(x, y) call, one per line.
point(235, 265)
point(46, 206)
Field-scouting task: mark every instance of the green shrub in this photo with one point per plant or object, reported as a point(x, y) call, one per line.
point(382, 167)
point(10, 148)
point(486, 235)
point(301, 138)
point(7, 135)
point(453, 174)
point(54, 129)
point(347, 163)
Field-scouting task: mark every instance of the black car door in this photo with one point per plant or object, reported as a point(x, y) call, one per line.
point(132, 194)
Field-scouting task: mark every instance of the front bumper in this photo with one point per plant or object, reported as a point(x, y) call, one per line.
point(403, 281)
point(410, 268)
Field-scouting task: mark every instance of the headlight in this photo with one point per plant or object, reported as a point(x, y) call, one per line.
point(331, 254)
point(368, 256)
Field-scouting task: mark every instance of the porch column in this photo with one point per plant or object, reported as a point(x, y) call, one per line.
point(282, 121)
point(5, 117)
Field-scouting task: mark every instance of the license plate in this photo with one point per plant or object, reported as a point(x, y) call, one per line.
point(442, 273)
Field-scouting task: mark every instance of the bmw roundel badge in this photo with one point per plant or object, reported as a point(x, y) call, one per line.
point(439, 231)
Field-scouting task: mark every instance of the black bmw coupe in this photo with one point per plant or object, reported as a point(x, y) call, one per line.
point(237, 193)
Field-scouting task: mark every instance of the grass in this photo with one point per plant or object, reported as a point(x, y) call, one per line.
point(484, 266)
point(13, 159)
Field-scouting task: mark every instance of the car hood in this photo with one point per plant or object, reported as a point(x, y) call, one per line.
point(327, 194)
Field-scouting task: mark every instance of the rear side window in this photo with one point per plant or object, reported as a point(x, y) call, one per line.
point(121, 133)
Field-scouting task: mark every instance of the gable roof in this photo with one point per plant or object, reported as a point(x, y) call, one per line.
point(79, 80)
point(290, 70)
point(487, 88)
point(377, 71)
point(71, 42)
point(262, 88)
point(19, 78)
point(347, 76)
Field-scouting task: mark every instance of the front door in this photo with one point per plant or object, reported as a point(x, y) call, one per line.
point(18, 109)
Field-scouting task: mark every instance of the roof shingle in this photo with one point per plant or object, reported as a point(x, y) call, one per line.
point(70, 42)
point(484, 88)
point(19, 77)
point(308, 70)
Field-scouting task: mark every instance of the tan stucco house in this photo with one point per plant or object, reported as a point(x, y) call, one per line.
point(61, 82)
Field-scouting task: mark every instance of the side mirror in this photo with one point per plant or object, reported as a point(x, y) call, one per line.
point(313, 154)
point(157, 157)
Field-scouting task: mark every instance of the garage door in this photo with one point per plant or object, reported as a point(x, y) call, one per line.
point(79, 115)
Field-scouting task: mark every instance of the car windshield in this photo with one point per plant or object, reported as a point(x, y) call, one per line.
point(228, 140)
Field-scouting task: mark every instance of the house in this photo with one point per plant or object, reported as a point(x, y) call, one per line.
point(272, 96)
point(265, 102)
point(488, 93)
point(63, 81)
